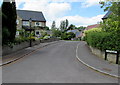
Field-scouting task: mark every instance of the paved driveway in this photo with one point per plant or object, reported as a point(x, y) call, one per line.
point(55, 63)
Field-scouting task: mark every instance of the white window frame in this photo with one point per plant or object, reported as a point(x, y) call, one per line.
point(25, 23)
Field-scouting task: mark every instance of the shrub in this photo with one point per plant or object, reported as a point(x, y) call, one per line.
point(102, 40)
point(67, 36)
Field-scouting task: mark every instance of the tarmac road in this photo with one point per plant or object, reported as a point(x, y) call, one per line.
point(55, 63)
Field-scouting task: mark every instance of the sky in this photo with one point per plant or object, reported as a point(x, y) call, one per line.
point(78, 12)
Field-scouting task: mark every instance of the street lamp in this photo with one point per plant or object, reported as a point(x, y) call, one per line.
point(30, 21)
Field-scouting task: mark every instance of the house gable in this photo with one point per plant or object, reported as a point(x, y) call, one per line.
point(34, 15)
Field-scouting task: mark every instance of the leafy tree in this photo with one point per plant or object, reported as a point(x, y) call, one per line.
point(43, 33)
point(81, 28)
point(67, 36)
point(64, 36)
point(56, 33)
point(70, 35)
point(71, 27)
point(46, 28)
point(109, 36)
point(112, 23)
point(53, 25)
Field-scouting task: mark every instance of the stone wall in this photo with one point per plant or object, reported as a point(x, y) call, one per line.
point(111, 57)
point(7, 50)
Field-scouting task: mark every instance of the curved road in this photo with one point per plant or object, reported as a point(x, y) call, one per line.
point(55, 63)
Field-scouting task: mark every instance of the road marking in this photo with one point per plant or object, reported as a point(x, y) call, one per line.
point(103, 72)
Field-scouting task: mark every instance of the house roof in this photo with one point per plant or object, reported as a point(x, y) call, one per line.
point(92, 26)
point(75, 31)
point(34, 15)
point(107, 14)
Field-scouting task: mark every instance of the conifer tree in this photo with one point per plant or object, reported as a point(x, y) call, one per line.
point(8, 21)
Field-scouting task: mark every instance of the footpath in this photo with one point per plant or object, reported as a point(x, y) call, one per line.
point(85, 56)
point(22, 53)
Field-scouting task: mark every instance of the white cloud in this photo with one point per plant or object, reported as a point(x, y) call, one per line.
point(88, 3)
point(81, 21)
point(56, 10)
point(50, 10)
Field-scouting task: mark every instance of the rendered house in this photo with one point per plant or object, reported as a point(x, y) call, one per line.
point(38, 21)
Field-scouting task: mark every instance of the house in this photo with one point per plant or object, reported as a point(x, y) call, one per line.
point(107, 15)
point(88, 28)
point(91, 26)
point(38, 21)
point(75, 31)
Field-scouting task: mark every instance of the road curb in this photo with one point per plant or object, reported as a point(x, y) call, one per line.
point(98, 70)
point(8, 62)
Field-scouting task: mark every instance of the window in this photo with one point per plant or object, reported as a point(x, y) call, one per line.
point(38, 24)
point(17, 21)
point(37, 33)
point(26, 23)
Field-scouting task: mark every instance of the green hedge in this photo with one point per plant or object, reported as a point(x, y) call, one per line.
point(102, 40)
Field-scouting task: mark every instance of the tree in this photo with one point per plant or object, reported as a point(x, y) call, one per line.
point(56, 33)
point(53, 25)
point(70, 35)
point(8, 21)
point(13, 21)
point(81, 28)
point(67, 36)
point(62, 25)
point(67, 23)
point(46, 28)
point(112, 23)
point(6, 5)
point(71, 27)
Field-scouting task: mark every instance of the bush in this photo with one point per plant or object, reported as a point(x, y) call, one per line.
point(21, 39)
point(46, 37)
point(67, 36)
point(70, 35)
point(102, 40)
point(64, 36)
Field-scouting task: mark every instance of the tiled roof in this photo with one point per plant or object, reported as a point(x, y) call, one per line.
point(34, 15)
point(92, 26)
point(107, 14)
point(75, 31)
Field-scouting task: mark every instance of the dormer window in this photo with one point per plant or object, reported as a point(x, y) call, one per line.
point(37, 24)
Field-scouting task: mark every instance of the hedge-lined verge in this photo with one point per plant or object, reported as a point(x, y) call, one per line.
point(102, 40)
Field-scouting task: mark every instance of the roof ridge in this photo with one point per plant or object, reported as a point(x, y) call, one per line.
point(29, 10)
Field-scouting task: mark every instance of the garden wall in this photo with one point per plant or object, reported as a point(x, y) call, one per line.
point(111, 57)
point(7, 50)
